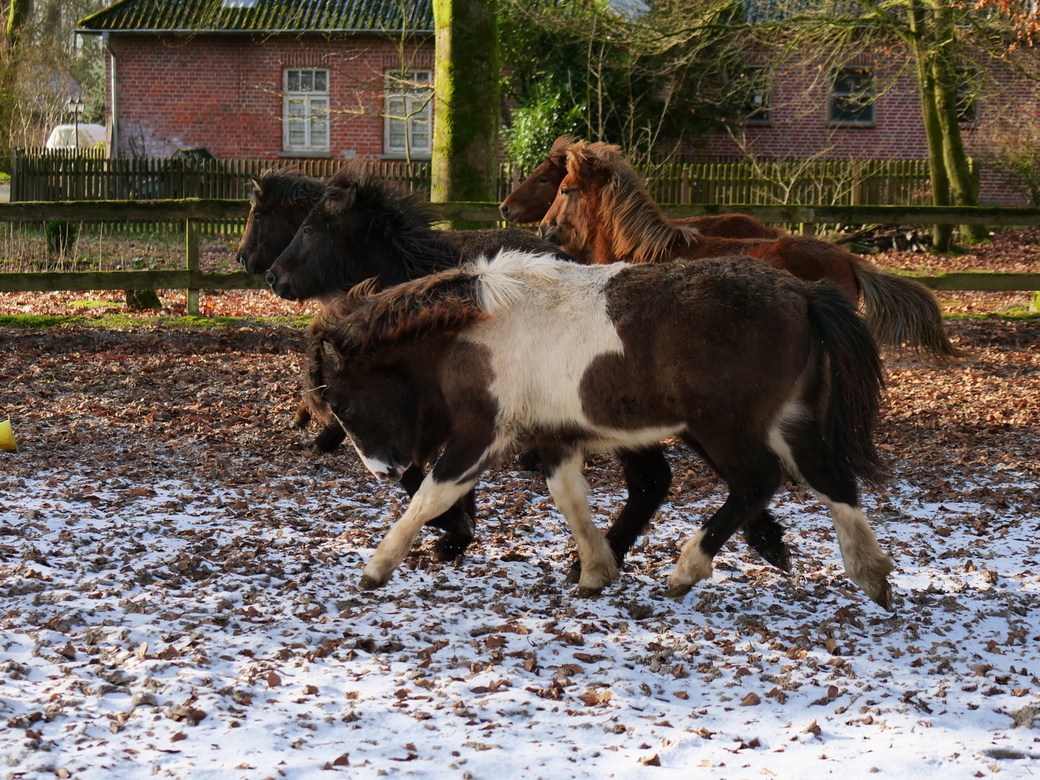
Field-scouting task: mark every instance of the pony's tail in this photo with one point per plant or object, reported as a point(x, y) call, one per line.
point(901, 312)
point(855, 378)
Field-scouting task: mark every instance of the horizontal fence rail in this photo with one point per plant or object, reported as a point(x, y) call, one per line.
point(191, 212)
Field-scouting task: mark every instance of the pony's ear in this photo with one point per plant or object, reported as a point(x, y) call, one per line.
point(579, 160)
point(340, 198)
point(330, 356)
point(257, 189)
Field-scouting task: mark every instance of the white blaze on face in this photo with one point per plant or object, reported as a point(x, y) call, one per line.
point(379, 469)
point(376, 467)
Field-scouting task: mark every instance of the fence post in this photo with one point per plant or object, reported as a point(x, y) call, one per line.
point(191, 256)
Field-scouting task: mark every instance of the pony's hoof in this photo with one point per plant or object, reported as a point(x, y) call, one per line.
point(369, 582)
point(678, 590)
point(450, 546)
point(456, 538)
point(883, 596)
point(779, 557)
point(327, 441)
point(586, 592)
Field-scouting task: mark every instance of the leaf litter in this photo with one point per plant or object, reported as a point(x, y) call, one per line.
point(178, 592)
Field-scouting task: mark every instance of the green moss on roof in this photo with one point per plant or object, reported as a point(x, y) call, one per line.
point(266, 16)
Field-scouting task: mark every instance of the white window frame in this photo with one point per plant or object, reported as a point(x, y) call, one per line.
point(305, 111)
point(408, 114)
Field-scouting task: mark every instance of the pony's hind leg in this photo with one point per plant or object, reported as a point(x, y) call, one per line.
point(753, 476)
point(569, 490)
point(866, 564)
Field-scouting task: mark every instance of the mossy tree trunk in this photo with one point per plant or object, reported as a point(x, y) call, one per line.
point(466, 111)
point(933, 43)
point(18, 14)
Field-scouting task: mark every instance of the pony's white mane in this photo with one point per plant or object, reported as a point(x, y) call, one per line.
point(504, 277)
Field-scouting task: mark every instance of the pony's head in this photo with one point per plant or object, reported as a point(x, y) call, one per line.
point(278, 204)
point(572, 218)
point(603, 211)
point(362, 227)
point(532, 198)
point(372, 369)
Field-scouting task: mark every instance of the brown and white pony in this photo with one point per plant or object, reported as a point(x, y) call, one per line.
point(752, 368)
point(532, 198)
point(602, 210)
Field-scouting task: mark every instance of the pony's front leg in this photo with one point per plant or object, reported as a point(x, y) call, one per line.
point(569, 490)
point(430, 500)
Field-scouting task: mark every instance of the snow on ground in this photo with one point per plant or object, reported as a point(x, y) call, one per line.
point(193, 627)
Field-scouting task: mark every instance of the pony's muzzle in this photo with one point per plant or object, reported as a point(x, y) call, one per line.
point(550, 233)
point(390, 474)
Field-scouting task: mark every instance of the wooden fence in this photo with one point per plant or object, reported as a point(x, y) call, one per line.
point(58, 175)
point(191, 213)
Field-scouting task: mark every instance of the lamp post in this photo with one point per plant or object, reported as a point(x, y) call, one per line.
point(75, 105)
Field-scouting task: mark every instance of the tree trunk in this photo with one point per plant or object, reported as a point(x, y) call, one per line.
point(466, 113)
point(923, 51)
point(18, 15)
point(964, 189)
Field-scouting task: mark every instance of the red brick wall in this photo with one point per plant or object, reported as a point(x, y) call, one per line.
point(225, 92)
point(799, 127)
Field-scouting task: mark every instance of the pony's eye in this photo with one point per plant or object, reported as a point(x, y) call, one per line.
point(566, 191)
point(308, 230)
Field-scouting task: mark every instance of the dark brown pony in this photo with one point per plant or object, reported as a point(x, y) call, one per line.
point(603, 210)
point(754, 369)
point(278, 204)
point(532, 198)
point(281, 200)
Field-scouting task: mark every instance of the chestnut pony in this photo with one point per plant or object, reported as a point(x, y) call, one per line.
point(602, 210)
point(534, 195)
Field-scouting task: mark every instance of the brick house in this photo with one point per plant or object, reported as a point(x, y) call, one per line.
point(338, 79)
point(868, 107)
point(254, 79)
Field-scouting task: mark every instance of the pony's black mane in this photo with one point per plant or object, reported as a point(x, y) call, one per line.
point(286, 187)
point(404, 218)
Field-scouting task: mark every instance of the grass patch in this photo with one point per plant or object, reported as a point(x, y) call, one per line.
point(95, 304)
point(1010, 314)
point(146, 323)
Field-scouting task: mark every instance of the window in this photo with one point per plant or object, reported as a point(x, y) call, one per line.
point(755, 94)
point(306, 110)
point(851, 101)
point(407, 127)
